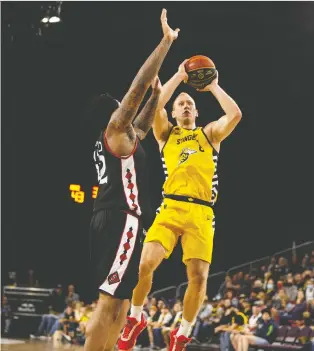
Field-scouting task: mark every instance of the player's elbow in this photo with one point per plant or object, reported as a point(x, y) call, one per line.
point(237, 115)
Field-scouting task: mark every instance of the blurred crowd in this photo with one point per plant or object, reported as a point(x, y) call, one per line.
point(67, 318)
point(247, 310)
point(250, 307)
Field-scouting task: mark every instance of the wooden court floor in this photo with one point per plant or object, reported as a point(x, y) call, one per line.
point(36, 345)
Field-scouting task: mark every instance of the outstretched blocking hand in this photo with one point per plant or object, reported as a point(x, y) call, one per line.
point(168, 32)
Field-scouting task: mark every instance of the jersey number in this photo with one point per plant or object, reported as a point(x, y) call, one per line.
point(100, 164)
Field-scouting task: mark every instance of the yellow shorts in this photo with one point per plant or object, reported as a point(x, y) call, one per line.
point(193, 222)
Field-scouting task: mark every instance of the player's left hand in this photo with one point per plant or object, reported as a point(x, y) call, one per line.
point(182, 71)
point(168, 32)
point(210, 86)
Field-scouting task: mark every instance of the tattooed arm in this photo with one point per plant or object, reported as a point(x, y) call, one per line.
point(122, 118)
point(144, 120)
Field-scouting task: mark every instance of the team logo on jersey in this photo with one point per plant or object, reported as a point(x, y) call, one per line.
point(185, 154)
point(113, 278)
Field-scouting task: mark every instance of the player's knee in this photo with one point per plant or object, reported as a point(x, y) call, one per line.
point(146, 268)
point(198, 278)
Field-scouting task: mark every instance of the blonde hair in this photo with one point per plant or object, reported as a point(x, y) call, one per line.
point(183, 93)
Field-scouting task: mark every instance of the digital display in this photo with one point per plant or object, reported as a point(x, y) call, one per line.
point(78, 194)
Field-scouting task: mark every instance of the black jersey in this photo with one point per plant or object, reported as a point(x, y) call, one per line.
point(123, 181)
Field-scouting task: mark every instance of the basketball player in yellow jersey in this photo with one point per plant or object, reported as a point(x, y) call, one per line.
point(189, 155)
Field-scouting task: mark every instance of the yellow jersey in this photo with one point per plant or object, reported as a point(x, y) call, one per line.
point(190, 165)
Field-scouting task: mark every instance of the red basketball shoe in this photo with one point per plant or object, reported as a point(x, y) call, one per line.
point(178, 343)
point(130, 333)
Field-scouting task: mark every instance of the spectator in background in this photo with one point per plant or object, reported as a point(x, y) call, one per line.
point(311, 312)
point(282, 268)
point(309, 290)
point(235, 282)
point(270, 288)
point(306, 275)
point(72, 296)
point(256, 315)
point(154, 313)
point(246, 308)
point(68, 323)
point(264, 334)
point(164, 318)
point(229, 284)
point(253, 297)
point(305, 264)
point(224, 323)
point(78, 310)
point(291, 290)
point(242, 299)
point(233, 320)
point(246, 287)
point(231, 295)
point(173, 324)
point(151, 302)
point(262, 271)
point(56, 308)
point(150, 324)
point(146, 307)
point(11, 279)
point(57, 302)
point(299, 281)
point(295, 265)
point(85, 317)
point(272, 266)
point(267, 276)
point(296, 311)
point(6, 316)
point(202, 317)
point(160, 306)
point(240, 279)
point(280, 300)
point(257, 286)
point(220, 310)
point(163, 321)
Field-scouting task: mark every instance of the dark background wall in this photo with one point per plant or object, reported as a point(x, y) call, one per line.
point(264, 54)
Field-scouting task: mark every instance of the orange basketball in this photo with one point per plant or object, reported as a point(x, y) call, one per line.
point(201, 71)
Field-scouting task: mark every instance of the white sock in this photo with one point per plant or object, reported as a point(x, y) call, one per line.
point(185, 328)
point(136, 312)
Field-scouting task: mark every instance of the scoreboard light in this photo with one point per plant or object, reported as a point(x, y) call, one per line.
point(78, 195)
point(94, 191)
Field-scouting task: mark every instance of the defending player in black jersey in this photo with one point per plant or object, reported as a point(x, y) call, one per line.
point(121, 209)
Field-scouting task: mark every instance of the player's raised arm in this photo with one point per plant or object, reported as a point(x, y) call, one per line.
point(161, 124)
point(122, 118)
point(217, 131)
point(144, 120)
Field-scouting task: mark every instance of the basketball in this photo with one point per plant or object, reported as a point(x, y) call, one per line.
point(201, 71)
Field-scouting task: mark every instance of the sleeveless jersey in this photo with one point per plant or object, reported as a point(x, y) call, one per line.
point(123, 181)
point(190, 165)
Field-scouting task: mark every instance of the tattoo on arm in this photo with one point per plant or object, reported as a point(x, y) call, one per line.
point(143, 122)
point(125, 114)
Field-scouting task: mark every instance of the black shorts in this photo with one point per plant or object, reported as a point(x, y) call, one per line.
point(115, 251)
